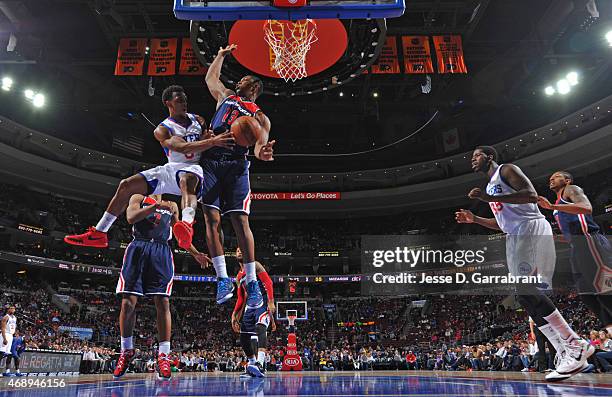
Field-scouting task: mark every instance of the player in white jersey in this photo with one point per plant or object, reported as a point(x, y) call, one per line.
point(529, 250)
point(8, 327)
point(183, 136)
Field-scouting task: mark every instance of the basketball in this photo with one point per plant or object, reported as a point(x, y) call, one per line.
point(246, 131)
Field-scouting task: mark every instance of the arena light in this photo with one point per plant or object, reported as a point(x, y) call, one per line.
point(572, 78)
point(38, 100)
point(550, 90)
point(563, 86)
point(7, 83)
point(609, 37)
point(29, 94)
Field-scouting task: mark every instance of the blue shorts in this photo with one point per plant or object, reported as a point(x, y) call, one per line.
point(148, 269)
point(591, 260)
point(252, 317)
point(226, 186)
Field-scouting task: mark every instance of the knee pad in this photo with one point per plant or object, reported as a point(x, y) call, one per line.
point(247, 345)
point(262, 336)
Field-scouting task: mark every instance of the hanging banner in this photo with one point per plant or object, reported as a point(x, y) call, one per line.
point(449, 51)
point(162, 61)
point(417, 55)
point(450, 139)
point(190, 65)
point(130, 57)
point(387, 61)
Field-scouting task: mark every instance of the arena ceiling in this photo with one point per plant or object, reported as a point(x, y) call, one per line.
point(67, 48)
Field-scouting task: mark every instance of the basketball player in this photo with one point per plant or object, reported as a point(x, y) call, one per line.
point(181, 136)
point(226, 176)
point(529, 250)
point(591, 252)
point(8, 327)
point(252, 322)
point(148, 269)
point(17, 347)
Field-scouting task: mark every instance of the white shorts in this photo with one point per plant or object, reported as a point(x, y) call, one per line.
point(531, 251)
point(165, 178)
point(6, 349)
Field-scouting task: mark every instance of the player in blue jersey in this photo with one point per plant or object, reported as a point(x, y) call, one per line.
point(17, 347)
point(148, 269)
point(591, 251)
point(183, 136)
point(226, 188)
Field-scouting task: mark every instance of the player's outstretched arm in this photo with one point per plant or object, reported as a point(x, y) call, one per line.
point(264, 150)
point(213, 81)
point(178, 144)
point(466, 216)
point(134, 213)
point(580, 202)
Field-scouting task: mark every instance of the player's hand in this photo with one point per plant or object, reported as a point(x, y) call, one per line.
point(224, 51)
point(544, 203)
point(203, 259)
point(271, 308)
point(4, 341)
point(266, 152)
point(235, 325)
point(207, 134)
point(225, 140)
point(478, 194)
point(464, 216)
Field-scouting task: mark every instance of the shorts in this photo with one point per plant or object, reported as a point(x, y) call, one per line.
point(6, 349)
point(531, 251)
point(591, 260)
point(252, 317)
point(165, 178)
point(148, 269)
point(226, 185)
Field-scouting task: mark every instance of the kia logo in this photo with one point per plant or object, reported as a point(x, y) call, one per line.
point(291, 362)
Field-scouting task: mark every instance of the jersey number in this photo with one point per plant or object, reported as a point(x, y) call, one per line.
point(230, 116)
point(191, 138)
point(496, 207)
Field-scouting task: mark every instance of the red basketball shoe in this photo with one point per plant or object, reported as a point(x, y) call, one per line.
point(184, 233)
point(91, 238)
point(164, 370)
point(123, 363)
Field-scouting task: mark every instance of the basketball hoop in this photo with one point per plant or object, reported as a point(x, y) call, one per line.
point(290, 42)
point(291, 320)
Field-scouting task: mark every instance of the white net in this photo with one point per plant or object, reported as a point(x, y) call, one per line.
point(290, 42)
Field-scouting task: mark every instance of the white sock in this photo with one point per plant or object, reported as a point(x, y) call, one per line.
point(252, 361)
point(164, 347)
point(220, 267)
point(105, 222)
point(261, 357)
point(8, 371)
point(556, 320)
point(553, 336)
point(126, 343)
point(188, 214)
point(250, 270)
point(18, 371)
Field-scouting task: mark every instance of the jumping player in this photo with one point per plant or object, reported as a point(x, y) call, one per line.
point(148, 269)
point(529, 250)
point(591, 252)
point(17, 347)
point(252, 322)
point(181, 136)
point(8, 326)
point(226, 175)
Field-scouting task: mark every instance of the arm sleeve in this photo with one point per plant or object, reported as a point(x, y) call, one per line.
point(267, 282)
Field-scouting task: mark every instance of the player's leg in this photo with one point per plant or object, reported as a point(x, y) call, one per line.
point(262, 345)
point(7, 371)
point(96, 236)
point(246, 242)
point(249, 341)
point(16, 361)
point(127, 319)
point(164, 327)
point(189, 184)
point(214, 241)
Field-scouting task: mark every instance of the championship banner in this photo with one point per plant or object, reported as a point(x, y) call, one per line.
point(190, 65)
point(417, 55)
point(130, 57)
point(296, 196)
point(449, 51)
point(387, 61)
point(162, 61)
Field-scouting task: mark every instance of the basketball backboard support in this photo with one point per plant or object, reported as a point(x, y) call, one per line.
point(226, 10)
